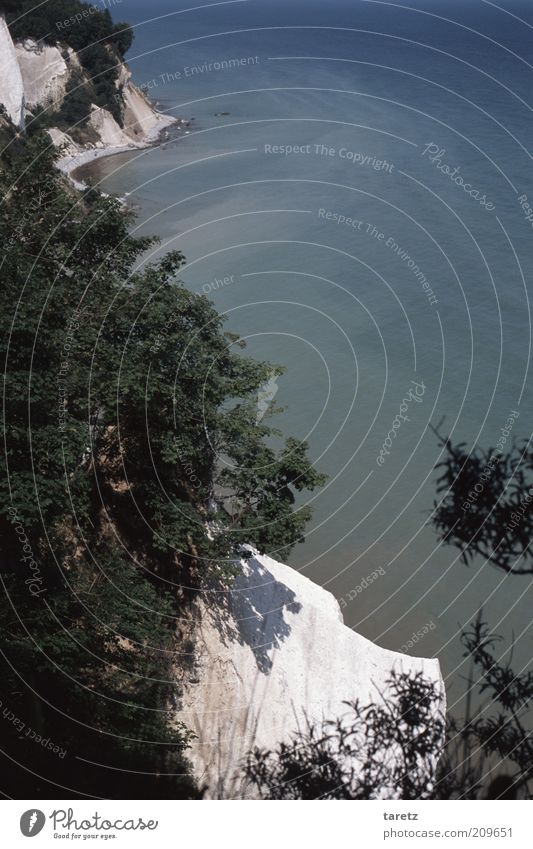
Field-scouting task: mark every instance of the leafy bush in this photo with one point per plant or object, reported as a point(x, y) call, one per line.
point(68, 21)
point(386, 749)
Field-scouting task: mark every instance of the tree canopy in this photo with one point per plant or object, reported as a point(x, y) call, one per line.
point(133, 469)
point(486, 504)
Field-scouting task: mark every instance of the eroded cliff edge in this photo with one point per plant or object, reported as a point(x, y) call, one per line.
point(11, 86)
point(270, 653)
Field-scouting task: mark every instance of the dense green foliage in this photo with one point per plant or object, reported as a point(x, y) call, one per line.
point(99, 43)
point(490, 751)
point(129, 417)
point(485, 506)
point(72, 22)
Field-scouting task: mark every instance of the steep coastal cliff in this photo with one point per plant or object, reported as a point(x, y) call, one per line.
point(35, 80)
point(271, 654)
point(11, 85)
point(45, 72)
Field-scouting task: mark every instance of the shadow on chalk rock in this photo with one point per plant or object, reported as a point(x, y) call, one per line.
point(253, 612)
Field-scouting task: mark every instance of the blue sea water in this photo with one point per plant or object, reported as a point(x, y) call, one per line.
point(361, 110)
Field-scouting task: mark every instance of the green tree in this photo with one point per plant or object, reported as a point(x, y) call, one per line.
point(124, 401)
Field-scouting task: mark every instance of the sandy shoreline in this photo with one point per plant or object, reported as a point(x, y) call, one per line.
point(70, 163)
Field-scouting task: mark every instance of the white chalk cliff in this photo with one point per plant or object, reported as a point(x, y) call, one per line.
point(140, 118)
point(34, 76)
point(45, 72)
point(269, 653)
point(11, 85)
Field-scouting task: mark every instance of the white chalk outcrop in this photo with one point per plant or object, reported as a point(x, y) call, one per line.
point(63, 140)
point(11, 85)
point(45, 72)
point(140, 117)
point(269, 653)
point(107, 129)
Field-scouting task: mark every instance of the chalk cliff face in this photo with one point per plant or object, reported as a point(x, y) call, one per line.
point(45, 72)
point(11, 85)
point(140, 118)
point(107, 129)
point(36, 76)
point(269, 653)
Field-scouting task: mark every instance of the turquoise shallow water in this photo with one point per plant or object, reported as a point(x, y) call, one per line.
point(360, 111)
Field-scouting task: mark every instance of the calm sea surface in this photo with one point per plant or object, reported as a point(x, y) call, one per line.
point(322, 213)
